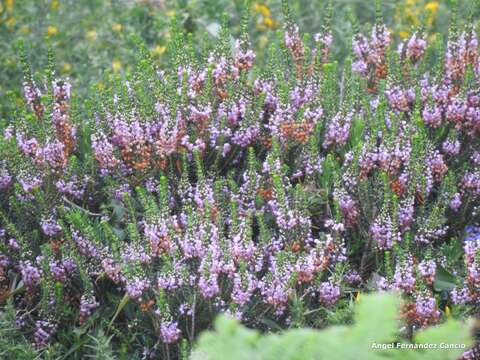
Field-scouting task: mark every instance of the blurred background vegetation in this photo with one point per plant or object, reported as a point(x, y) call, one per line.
point(90, 37)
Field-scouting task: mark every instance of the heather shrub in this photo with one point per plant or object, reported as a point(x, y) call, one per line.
point(275, 192)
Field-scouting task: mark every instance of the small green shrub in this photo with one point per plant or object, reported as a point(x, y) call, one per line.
point(375, 325)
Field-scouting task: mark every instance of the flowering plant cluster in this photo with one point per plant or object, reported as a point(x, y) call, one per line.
point(273, 193)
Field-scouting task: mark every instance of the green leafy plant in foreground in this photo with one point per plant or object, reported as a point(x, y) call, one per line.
point(375, 327)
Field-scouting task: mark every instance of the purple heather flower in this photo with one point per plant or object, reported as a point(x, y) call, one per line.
point(104, 152)
point(87, 306)
point(185, 309)
point(136, 287)
point(169, 331)
point(383, 232)
point(69, 265)
point(451, 147)
point(5, 177)
point(400, 99)
point(405, 214)
point(360, 67)
point(426, 309)
point(473, 233)
point(373, 52)
point(329, 293)
point(470, 354)
point(471, 182)
point(460, 296)
point(135, 253)
point(43, 332)
point(293, 42)
point(57, 270)
point(243, 288)
point(20, 321)
point(245, 136)
point(381, 37)
point(404, 278)
point(243, 58)
point(325, 39)
point(415, 47)
point(33, 97)
point(382, 284)
point(338, 130)
point(456, 110)
point(353, 277)
point(13, 244)
point(111, 269)
point(348, 207)
point(73, 187)
point(427, 234)
point(29, 182)
point(436, 165)
point(170, 279)
point(208, 285)
point(4, 262)
point(427, 269)
point(53, 154)
point(30, 274)
point(50, 227)
point(151, 185)
point(275, 292)
point(121, 191)
point(85, 246)
point(456, 202)
point(432, 116)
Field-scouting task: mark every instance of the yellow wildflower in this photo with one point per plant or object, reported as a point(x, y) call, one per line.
point(116, 65)
point(170, 13)
point(268, 22)
point(448, 313)
point(403, 34)
point(66, 68)
point(117, 27)
point(9, 5)
point(432, 6)
point(262, 9)
point(54, 5)
point(357, 298)
point(158, 50)
point(92, 35)
point(52, 30)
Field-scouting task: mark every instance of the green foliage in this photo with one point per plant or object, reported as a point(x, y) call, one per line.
point(13, 345)
point(100, 347)
point(375, 324)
